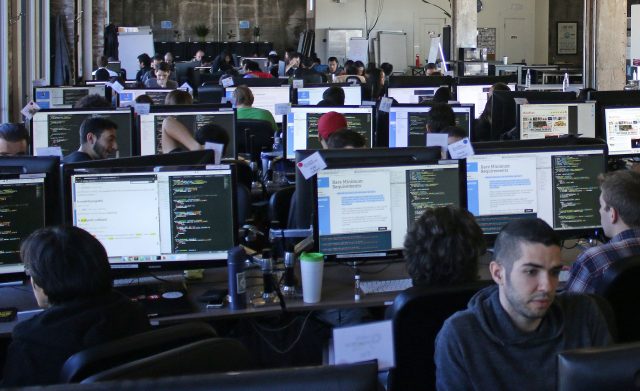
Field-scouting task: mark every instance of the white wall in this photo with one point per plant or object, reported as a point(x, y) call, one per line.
point(403, 15)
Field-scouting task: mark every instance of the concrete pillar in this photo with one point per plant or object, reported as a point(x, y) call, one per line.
point(611, 43)
point(465, 24)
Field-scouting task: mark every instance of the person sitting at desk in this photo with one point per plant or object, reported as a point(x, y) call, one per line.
point(482, 125)
point(351, 73)
point(145, 66)
point(293, 62)
point(244, 101)
point(13, 139)
point(508, 337)
point(71, 280)
point(93, 101)
point(252, 69)
point(334, 69)
point(332, 96)
point(103, 73)
point(222, 63)
point(161, 80)
point(328, 124)
point(346, 139)
point(97, 140)
point(440, 117)
point(168, 58)
point(620, 219)
point(157, 60)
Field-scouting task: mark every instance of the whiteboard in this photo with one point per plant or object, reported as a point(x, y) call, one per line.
point(131, 45)
point(392, 48)
point(358, 50)
point(338, 43)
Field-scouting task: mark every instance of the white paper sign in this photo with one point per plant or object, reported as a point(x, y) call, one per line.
point(116, 86)
point(29, 110)
point(282, 108)
point(461, 149)
point(186, 87)
point(142, 108)
point(227, 82)
point(298, 83)
point(385, 104)
point(521, 101)
point(365, 342)
point(217, 149)
point(438, 140)
point(311, 165)
point(368, 103)
point(39, 83)
point(49, 151)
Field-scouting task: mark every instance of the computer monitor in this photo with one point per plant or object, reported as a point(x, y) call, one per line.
point(262, 62)
point(544, 120)
point(312, 95)
point(365, 210)
point(266, 98)
point(162, 217)
point(412, 94)
point(302, 126)
point(67, 96)
point(407, 124)
point(128, 96)
point(611, 98)
point(61, 128)
point(419, 81)
point(556, 182)
point(192, 117)
point(477, 94)
point(622, 130)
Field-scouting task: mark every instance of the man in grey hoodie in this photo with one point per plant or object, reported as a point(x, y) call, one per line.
point(510, 334)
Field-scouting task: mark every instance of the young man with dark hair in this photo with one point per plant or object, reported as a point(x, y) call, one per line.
point(93, 101)
point(510, 334)
point(620, 219)
point(162, 79)
point(71, 280)
point(145, 66)
point(332, 96)
point(244, 102)
point(440, 117)
point(346, 139)
point(97, 140)
point(293, 63)
point(102, 73)
point(334, 67)
point(13, 139)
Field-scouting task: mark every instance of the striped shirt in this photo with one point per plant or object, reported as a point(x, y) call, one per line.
point(588, 269)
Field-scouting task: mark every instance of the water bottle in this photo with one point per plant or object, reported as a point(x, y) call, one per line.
point(417, 60)
point(527, 80)
point(565, 82)
point(277, 146)
point(237, 280)
point(357, 294)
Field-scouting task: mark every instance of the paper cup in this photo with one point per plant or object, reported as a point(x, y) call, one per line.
point(311, 267)
point(505, 60)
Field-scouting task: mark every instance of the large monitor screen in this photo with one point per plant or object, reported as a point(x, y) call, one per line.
point(559, 186)
point(622, 130)
point(311, 96)
point(369, 209)
point(150, 126)
point(412, 94)
point(408, 124)
point(61, 128)
point(266, 98)
point(158, 217)
point(557, 119)
point(302, 126)
point(65, 97)
point(128, 96)
point(476, 94)
point(22, 212)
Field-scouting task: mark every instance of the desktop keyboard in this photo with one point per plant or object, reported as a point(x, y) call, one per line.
point(383, 286)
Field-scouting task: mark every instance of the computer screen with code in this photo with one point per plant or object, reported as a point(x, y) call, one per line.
point(310, 96)
point(61, 128)
point(559, 186)
point(408, 124)
point(369, 209)
point(65, 97)
point(180, 216)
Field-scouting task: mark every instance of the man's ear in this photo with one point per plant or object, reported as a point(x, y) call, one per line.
point(614, 215)
point(91, 138)
point(497, 272)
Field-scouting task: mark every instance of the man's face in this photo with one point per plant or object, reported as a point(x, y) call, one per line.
point(155, 64)
point(528, 289)
point(162, 77)
point(168, 59)
point(333, 66)
point(105, 146)
point(13, 148)
point(199, 55)
point(605, 217)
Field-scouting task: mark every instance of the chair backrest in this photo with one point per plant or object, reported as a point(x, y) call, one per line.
point(417, 315)
point(252, 135)
point(210, 92)
point(615, 367)
point(620, 286)
point(205, 356)
point(99, 358)
point(243, 204)
point(280, 205)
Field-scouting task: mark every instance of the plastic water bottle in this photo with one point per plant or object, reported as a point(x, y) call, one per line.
point(277, 146)
point(527, 80)
point(565, 82)
point(417, 60)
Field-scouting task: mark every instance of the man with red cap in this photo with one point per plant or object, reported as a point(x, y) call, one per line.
point(328, 124)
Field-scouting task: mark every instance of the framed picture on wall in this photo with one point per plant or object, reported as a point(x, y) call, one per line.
point(567, 38)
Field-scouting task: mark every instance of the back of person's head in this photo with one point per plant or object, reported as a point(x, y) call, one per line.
point(158, 58)
point(95, 125)
point(332, 58)
point(329, 123)
point(293, 54)
point(102, 61)
point(507, 248)
point(439, 117)
point(16, 139)
point(178, 97)
point(252, 66)
point(307, 62)
point(93, 101)
point(387, 68)
point(442, 95)
point(443, 246)
point(348, 62)
point(350, 69)
point(243, 96)
point(163, 66)
point(212, 133)
point(455, 132)
point(145, 60)
point(144, 98)
point(621, 191)
point(68, 263)
point(500, 86)
point(334, 96)
point(346, 138)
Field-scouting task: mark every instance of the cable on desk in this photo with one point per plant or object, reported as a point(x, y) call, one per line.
point(293, 344)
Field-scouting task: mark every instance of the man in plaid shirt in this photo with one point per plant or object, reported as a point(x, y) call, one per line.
point(620, 219)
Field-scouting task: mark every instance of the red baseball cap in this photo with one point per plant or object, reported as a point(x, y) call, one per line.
point(329, 123)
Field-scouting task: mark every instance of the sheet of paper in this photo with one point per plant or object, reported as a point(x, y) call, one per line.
point(282, 108)
point(461, 149)
point(298, 83)
point(385, 104)
point(365, 342)
point(217, 148)
point(227, 82)
point(142, 108)
point(117, 87)
point(311, 165)
point(29, 110)
point(438, 140)
point(49, 151)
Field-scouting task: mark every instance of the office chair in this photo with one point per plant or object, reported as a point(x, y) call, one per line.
point(280, 206)
point(252, 136)
point(619, 285)
point(417, 315)
point(210, 92)
point(205, 356)
point(614, 367)
point(102, 357)
point(243, 203)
